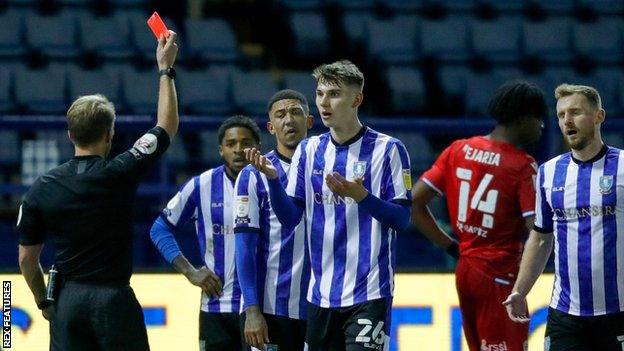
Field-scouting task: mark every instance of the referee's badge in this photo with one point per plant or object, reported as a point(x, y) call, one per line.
point(359, 168)
point(606, 182)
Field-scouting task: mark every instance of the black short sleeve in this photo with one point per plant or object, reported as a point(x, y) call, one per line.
point(30, 226)
point(138, 160)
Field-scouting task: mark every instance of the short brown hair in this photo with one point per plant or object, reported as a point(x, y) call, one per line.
point(89, 118)
point(590, 93)
point(339, 73)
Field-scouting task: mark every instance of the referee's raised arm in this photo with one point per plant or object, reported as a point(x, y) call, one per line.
point(166, 52)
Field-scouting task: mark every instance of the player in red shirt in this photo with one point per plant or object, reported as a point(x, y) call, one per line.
point(489, 186)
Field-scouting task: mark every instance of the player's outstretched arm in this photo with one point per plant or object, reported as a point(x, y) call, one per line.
point(168, 117)
point(536, 252)
point(424, 222)
point(162, 237)
point(261, 163)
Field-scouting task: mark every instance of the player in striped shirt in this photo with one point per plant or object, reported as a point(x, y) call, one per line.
point(580, 200)
point(273, 267)
point(353, 184)
point(207, 200)
point(489, 186)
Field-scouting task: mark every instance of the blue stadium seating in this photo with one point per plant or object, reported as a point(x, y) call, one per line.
point(12, 40)
point(454, 5)
point(406, 88)
point(6, 81)
point(140, 91)
point(10, 149)
point(209, 146)
point(505, 6)
point(54, 36)
point(496, 40)
point(100, 81)
point(252, 90)
point(453, 81)
point(213, 40)
point(310, 34)
point(601, 40)
point(41, 91)
point(203, 92)
point(555, 7)
point(358, 5)
point(304, 83)
point(445, 39)
point(302, 4)
point(106, 36)
point(354, 25)
point(418, 147)
point(608, 7)
point(393, 41)
point(550, 40)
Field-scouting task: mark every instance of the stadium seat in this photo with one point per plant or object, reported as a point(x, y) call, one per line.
point(203, 93)
point(130, 3)
point(554, 7)
point(302, 4)
point(601, 41)
point(252, 90)
point(101, 81)
point(453, 81)
point(604, 7)
point(41, 91)
point(310, 35)
point(140, 91)
point(176, 154)
point(212, 40)
point(358, 5)
point(393, 41)
point(6, 81)
point(418, 147)
point(403, 6)
point(106, 36)
point(10, 150)
point(12, 40)
point(497, 40)
point(54, 36)
point(445, 39)
point(550, 40)
point(209, 144)
point(406, 88)
point(479, 90)
point(454, 5)
point(304, 83)
point(505, 6)
point(354, 25)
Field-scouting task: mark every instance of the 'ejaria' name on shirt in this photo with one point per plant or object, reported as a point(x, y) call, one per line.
point(477, 155)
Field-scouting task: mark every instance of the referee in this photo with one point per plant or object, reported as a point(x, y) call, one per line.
point(86, 206)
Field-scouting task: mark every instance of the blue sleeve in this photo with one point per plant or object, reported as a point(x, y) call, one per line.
point(245, 253)
point(162, 237)
point(287, 209)
point(395, 215)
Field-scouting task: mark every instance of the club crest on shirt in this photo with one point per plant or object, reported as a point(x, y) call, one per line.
point(359, 168)
point(605, 184)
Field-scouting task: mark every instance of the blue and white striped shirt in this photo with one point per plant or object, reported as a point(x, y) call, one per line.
point(282, 266)
point(351, 253)
point(208, 199)
point(583, 204)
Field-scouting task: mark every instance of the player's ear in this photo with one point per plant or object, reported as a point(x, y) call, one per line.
point(310, 121)
point(270, 128)
point(359, 97)
point(220, 150)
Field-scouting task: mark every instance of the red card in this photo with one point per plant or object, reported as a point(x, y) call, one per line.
point(157, 26)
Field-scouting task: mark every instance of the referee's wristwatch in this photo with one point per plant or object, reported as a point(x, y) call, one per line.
point(44, 304)
point(169, 72)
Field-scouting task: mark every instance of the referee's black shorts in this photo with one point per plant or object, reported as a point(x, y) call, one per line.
point(565, 332)
point(97, 317)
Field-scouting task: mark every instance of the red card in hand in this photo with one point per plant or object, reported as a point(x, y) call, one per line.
point(157, 26)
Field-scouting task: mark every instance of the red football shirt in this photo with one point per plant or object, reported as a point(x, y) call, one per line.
point(489, 188)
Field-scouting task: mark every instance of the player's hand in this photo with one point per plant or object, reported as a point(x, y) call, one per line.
point(48, 312)
point(256, 329)
point(167, 50)
point(261, 163)
point(516, 305)
point(345, 188)
point(207, 280)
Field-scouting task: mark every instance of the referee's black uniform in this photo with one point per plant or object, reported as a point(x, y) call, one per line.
point(86, 205)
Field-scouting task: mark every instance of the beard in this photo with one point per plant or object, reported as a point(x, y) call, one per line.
point(580, 141)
